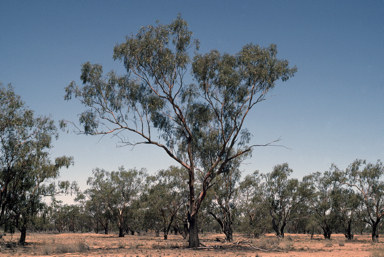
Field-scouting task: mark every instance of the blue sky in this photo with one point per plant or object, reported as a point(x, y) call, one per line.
point(330, 112)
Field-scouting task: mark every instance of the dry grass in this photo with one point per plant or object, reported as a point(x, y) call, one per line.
point(377, 251)
point(89, 244)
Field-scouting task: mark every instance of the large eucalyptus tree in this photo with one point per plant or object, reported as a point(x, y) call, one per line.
point(200, 126)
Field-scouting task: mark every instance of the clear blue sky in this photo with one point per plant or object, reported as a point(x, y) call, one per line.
point(332, 111)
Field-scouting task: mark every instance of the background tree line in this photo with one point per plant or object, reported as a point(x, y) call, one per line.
point(131, 201)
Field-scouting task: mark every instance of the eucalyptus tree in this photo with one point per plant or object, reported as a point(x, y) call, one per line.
point(156, 96)
point(25, 163)
point(225, 194)
point(126, 188)
point(283, 196)
point(348, 203)
point(166, 192)
point(95, 199)
point(114, 192)
point(252, 205)
point(135, 216)
point(345, 203)
point(322, 203)
point(366, 179)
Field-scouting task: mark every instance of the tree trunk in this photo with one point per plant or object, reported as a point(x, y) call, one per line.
point(166, 229)
point(282, 230)
point(375, 234)
point(326, 232)
point(348, 233)
point(175, 229)
point(121, 232)
point(23, 235)
point(225, 224)
point(228, 231)
point(277, 229)
point(106, 229)
point(193, 232)
point(186, 229)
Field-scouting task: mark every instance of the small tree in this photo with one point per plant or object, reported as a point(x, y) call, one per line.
point(283, 196)
point(165, 193)
point(323, 204)
point(366, 180)
point(252, 205)
point(347, 202)
point(155, 94)
point(225, 192)
point(116, 191)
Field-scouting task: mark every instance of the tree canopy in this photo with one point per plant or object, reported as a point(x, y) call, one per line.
point(200, 125)
point(25, 164)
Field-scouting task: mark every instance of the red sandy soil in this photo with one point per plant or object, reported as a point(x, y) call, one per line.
point(90, 244)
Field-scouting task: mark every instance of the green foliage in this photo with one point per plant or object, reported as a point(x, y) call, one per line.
point(199, 126)
point(255, 216)
point(25, 164)
point(164, 196)
point(366, 179)
point(112, 194)
point(323, 201)
point(224, 205)
point(283, 196)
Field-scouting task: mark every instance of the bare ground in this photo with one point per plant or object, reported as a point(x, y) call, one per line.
point(90, 244)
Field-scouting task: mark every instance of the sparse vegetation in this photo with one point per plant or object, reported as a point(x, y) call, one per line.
point(90, 244)
point(377, 251)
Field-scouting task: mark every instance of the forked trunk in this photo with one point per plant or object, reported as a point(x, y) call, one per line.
point(225, 224)
point(193, 232)
point(326, 232)
point(278, 230)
